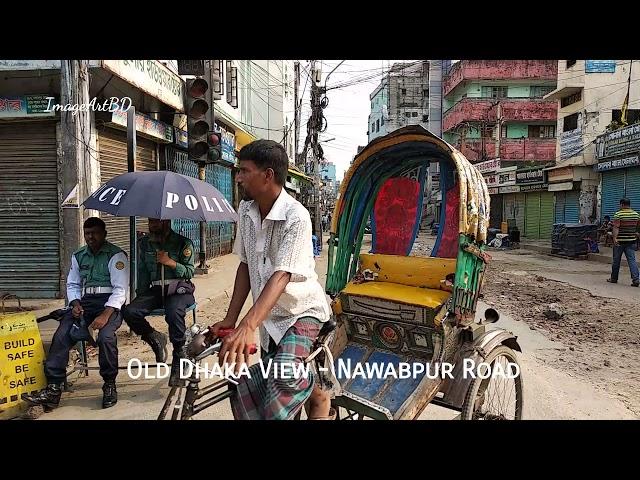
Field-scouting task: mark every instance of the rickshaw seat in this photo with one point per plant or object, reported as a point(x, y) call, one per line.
point(393, 292)
point(423, 272)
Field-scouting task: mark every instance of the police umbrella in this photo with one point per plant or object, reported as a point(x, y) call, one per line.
point(163, 195)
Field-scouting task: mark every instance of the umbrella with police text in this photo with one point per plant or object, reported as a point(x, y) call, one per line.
point(163, 195)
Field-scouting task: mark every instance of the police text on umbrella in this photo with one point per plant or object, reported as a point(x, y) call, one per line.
point(190, 201)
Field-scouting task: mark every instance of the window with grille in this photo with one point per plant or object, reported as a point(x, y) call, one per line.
point(495, 91)
point(232, 84)
point(542, 131)
point(539, 91)
point(218, 81)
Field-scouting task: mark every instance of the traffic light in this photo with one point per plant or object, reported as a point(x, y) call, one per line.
point(215, 146)
point(199, 120)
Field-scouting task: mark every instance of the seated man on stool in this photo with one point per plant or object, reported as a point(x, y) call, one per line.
point(97, 287)
point(165, 250)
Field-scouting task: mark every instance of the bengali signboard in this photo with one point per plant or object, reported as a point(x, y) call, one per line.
point(509, 189)
point(621, 142)
point(506, 176)
point(152, 77)
point(145, 125)
point(571, 143)
point(560, 174)
point(534, 188)
point(530, 176)
point(492, 180)
point(27, 106)
point(614, 164)
point(181, 138)
point(29, 64)
point(599, 66)
point(488, 166)
point(228, 144)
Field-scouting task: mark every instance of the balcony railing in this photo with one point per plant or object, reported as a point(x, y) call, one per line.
point(504, 70)
point(512, 149)
point(513, 109)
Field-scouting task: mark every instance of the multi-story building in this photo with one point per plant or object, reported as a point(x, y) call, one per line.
point(411, 94)
point(494, 112)
point(598, 161)
point(401, 99)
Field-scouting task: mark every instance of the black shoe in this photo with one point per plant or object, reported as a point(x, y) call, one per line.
point(635, 284)
point(49, 397)
point(109, 395)
point(174, 379)
point(158, 343)
point(609, 280)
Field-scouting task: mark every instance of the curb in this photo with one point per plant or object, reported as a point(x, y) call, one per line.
point(596, 257)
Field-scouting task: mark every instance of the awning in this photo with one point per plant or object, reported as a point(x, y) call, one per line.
point(565, 91)
point(576, 161)
point(297, 173)
point(560, 187)
point(243, 137)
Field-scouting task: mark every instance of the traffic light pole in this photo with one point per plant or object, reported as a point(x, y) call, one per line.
point(204, 143)
point(202, 174)
point(203, 267)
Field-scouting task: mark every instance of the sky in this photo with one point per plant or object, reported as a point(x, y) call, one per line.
point(349, 107)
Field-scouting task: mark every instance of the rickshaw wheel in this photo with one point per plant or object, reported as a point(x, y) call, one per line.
point(496, 397)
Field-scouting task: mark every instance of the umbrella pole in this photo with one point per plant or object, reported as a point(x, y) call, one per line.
point(162, 280)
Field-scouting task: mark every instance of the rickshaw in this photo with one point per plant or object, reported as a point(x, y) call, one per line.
point(390, 308)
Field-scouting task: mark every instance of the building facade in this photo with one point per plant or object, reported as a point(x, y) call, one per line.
point(596, 165)
point(495, 113)
point(50, 161)
point(401, 99)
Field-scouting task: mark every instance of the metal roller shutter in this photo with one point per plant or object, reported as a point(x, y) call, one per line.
point(546, 215)
point(520, 208)
point(612, 191)
point(29, 210)
point(532, 218)
point(572, 207)
point(559, 207)
point(112, 147)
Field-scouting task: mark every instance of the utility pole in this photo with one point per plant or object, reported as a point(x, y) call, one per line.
point(296, 110)
point(74, 154)
point(499, 139)
point(317, 113)
point(314, 125)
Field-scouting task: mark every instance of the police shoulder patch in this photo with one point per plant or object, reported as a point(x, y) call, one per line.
point(119, 265)
point(186, 252)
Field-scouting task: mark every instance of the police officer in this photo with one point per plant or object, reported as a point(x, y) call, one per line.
point(97, 287)
point(165, 250)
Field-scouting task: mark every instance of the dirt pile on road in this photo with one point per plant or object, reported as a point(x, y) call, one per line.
point(602, 335)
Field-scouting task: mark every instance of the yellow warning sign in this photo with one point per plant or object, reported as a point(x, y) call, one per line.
point(21, 361)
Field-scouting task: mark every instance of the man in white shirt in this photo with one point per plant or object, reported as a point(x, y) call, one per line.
point(97, 287)
point(277, 266)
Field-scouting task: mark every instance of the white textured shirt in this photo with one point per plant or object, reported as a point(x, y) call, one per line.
point(119, 281)
point(281, 242)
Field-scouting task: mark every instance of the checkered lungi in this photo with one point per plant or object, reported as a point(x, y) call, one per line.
point(260, 398)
